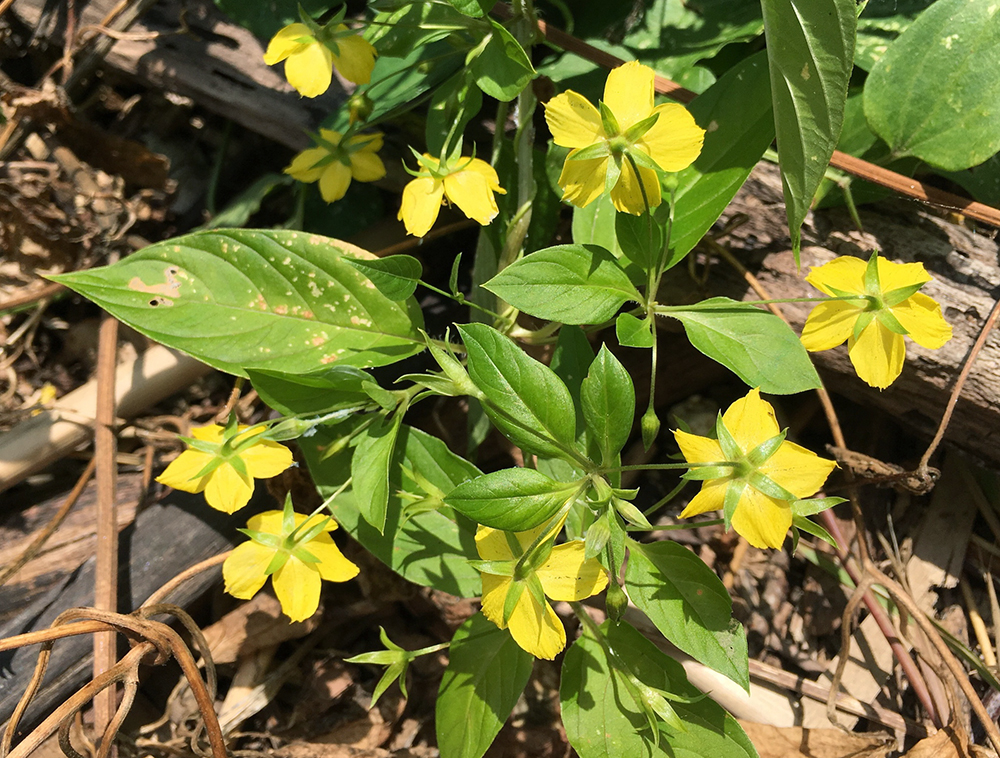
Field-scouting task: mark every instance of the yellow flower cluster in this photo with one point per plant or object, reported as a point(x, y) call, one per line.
point(310, 57)
point(336, 160)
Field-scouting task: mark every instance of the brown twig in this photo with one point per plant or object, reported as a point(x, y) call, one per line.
point(29, 298)
point(856, 166)
point(157, 597)
point(956, 391)
point(47, 531)
point(106, 569)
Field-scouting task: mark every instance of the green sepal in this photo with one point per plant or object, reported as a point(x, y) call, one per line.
point(630, 513)
point(730, 448)
point(734, 491)
point(890, 322)
point(608, 120)
point(494, 568)
point(811, 527)
point(768, 486)
point(264, 538)
point(614, 172)
point(862, 323)
point(759, 455)
point(591, 152)
point(639, 128)
point(704, 473)
point(644, 161)
point(811, 507)
point(510, 601)
point(597, 537)
point(279, 559)
point(872, 286)
point(896, 296)
point(304, 555)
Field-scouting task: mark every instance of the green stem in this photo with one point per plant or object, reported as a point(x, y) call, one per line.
point(665, 466)
point(460, 300)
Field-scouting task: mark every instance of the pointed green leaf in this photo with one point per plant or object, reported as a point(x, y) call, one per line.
point(810, 53)
point(572, 284)
point(395, 276)
point(271, 300)
point(370, 468)
point(689, 605)
point(608, 400)
point(512, 499)
point(486, 674)
point(502, 69)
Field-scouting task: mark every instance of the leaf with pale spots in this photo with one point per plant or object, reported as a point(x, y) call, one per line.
point(242, 299)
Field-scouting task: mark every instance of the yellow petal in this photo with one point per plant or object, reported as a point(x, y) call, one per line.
point(798, 470)
point(492, 545)
point(829, 324)
point(297, 585)
point(471, 190)
point(366, 166)
point(421, 205)
point(310, 70)
point(288, 41)
point(266, 459)
point(711, 497)
point(209, 433)
point(573, 121)
point(332, 566)
point(764, 522)
point(894, 276)
point(243, 571)
point(628, 93)
point(675, 140)
point(877, 355)
point(227, 490)
point(355, 58)
point(494, 596)
point(334, 182)
point(268, 522)
point(537, 629)
point(627, 195)
point(583, 181)
point(182, 472)
point(567, 575)
point(845, 273)
point(921, 317)
point(751, 420)
point(697, 449)
point(303, 166)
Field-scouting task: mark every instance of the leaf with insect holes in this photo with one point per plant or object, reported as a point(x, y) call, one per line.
point(242, 299)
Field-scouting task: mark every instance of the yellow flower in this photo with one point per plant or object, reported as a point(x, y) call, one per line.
point(337, 160)
point(469, 184)
point(628, 124)
point(297, 563)
point(228, 484)
point(769, 474)
point(564, 575)
point(874, 327)
point(310, 59)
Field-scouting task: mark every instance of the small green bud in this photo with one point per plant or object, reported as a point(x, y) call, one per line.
point(359, 107)
point(616, 601)
point(650, 428)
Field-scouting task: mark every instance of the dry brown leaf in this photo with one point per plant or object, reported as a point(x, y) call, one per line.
point(255, 625)
point(796, 742)
point(942, 744)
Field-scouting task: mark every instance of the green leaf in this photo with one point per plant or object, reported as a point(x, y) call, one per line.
point(945, 64)
point(640, 239)
point(736, 115)
point(811, 527)
point(689, 605)
point(512, 499)
point(399, 33)
point(502, 69)
point(608, 400)
point(523, 398)
point(881, 22)
point(572, 284)
point(595, 224)
point(602, 720)
point(311, 394)
point(395, 276)
point(370, 469)
point(632, 331)
point(486, 674)
point(815, 505)
point(432, 548)
point(272, 300)
point(810, 53)
point(757, 346)
point(474, 8)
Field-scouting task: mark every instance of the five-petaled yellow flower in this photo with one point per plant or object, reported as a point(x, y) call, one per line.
point(627, 125)
point(229, 484)
point(469, 183)
point(337, 160)
point(564, 575)
point(874, 325)
point(761, 475)
point(297, 563)
point(310, 60)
